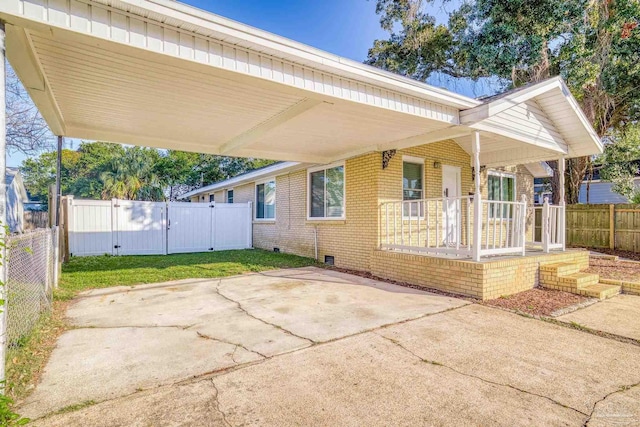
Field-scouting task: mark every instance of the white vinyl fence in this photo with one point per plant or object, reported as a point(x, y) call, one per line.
point(126, 227)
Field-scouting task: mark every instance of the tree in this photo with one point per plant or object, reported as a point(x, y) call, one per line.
point(40, 173)
point(132, 176)
point(620, 162)
point(26, 129)
point(94, 159)
point(101, 170)
point(594, 45)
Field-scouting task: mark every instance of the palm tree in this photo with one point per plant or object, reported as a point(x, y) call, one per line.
point(131, 177)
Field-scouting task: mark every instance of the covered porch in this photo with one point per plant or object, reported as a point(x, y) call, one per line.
point(474, 226)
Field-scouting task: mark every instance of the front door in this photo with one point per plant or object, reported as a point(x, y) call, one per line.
point(451, 205)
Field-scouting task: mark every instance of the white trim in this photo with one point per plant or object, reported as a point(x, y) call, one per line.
point(273, 170)
point(344, 192)
point(502, 174)
point(416, 161)
point(255, 198)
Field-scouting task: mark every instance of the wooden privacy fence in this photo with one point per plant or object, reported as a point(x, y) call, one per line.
point(36, 219)
point(604, 226)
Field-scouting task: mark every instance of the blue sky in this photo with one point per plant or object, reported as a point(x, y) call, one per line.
point(343, 27)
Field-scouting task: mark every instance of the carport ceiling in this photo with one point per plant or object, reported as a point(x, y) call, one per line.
point(116, 75)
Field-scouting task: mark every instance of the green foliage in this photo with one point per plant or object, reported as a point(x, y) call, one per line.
point(620, 162)
point(82, 273)
point(593, 45)
point(100, 170)
point(7, 416)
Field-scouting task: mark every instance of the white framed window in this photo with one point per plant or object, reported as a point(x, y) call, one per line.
point(229, 196)
point(412, 185)
point(212, 198)
point(266, 200)
point(326, 192)
point(501, 187)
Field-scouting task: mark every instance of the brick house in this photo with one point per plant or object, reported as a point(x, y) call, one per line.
point(408, 213)
point(382, 173)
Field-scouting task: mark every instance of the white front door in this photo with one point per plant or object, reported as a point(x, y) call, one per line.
point(451, 205)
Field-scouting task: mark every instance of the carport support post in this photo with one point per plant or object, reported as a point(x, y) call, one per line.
point(3, 198)
point(562, 202)
point(58, 184)
point(477, 197)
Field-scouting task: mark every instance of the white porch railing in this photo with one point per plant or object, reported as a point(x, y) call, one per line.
point(445, 226)
point(549, 226)
point(437, 226)
point(504, 226)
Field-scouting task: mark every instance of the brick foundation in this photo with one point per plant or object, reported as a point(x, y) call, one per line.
point(484, 280)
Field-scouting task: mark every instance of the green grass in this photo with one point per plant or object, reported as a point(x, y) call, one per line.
point(84, 273)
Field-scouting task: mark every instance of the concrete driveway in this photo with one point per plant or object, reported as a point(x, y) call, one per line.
point(316, 347)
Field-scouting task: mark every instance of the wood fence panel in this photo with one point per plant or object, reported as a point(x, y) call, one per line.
point(588, 225)
point(604, 226)
point(36, 219)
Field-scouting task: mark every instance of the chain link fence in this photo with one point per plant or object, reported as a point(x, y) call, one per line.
point(31, 275)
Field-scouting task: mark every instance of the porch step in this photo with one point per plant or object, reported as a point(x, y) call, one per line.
point(560, 268)
point(565, 276)
point(578, 280)
point(600, 291)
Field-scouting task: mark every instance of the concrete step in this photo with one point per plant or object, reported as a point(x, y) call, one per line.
point(579, 280)
point(560, 268)
point(600, 291)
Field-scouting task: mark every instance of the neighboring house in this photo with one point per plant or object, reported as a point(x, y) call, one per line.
point(593, 191)
point(391, 176)
point(597, 191)
point(16, 198)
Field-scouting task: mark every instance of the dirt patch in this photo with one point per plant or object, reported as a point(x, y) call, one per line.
point(537, 301)
point(616, 252)
point(26, 363)
point(619, 270)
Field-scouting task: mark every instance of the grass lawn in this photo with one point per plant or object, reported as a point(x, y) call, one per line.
point(84, 273)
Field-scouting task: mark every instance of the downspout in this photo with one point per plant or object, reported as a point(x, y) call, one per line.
point(315, 241)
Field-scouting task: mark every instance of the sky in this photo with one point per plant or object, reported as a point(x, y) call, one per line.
point(342, 27)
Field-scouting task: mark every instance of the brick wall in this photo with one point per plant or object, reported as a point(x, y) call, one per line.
point(485, 280)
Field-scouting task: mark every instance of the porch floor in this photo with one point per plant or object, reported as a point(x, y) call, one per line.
point(530, 251)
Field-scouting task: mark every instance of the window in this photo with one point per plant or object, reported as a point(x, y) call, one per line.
point(326, 193)
point(412, 185)
point(229, 196)
point(501, 188)
point(266, 200)
point(212, 198)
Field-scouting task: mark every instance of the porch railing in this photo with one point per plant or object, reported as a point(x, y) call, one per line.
point(444, 226)
point(503, 227)
point(549, 226)
point(438, 226)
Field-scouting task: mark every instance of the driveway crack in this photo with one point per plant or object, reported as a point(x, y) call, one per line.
point(216, 404)
point(236, 345)
point(606, 396)
point(244, 310)
point(435, 363)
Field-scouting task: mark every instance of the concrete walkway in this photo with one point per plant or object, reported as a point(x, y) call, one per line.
point(619, 315)
point(315, 347)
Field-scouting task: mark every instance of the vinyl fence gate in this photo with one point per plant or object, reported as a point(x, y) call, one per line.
point(126, 227)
